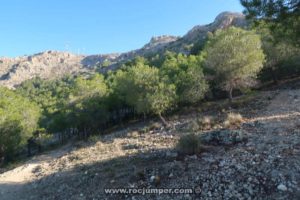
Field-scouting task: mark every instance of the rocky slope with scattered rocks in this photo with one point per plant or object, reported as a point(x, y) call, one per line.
point(54, 64)
point(46, 65)
point(258, 160)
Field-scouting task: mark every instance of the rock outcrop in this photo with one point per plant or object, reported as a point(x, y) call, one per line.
point(47, 65)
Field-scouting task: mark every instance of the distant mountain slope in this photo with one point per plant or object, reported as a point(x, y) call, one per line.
point(47, 65)
point(54, 64)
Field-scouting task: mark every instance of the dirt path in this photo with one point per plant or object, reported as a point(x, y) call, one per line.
point(12, 182)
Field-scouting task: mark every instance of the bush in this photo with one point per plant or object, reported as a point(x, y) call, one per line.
point(233, 120)
point(193, 126)
point(203, 123)
point(189, 144)
point(206, 122)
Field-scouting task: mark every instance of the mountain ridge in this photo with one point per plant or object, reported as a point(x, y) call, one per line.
point(55, 64)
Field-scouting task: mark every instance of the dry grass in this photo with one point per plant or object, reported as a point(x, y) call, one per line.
point(202, 124)
point(233, 120)
point(206, 122)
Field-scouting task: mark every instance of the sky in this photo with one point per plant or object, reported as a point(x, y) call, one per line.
point(99, 26)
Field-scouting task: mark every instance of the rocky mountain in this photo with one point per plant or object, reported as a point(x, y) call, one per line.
point(47, 65)
point(54, 64)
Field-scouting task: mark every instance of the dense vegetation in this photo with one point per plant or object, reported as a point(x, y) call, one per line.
point(18, 120)
point(230, 60)
point(282, 16)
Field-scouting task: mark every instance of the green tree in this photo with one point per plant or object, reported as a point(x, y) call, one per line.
point(50, 95)
point(106, 63)
point(85, 109)
point(69, 103)
point(142, 87)
point(18, 120)
point(235, 56)
point(84, 88)
point(283, 17)
point(186, 73)
point(276, 52)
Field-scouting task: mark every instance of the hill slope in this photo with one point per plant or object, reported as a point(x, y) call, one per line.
point(265, 166)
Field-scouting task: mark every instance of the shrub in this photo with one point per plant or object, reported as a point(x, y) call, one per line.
point(203, 123)
point(206, 122)
point(189, 144)
point(233, 120)
point(193, 126)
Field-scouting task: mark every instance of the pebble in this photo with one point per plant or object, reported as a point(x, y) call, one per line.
point(282, 187)
point(152, 178)
point(209, 193)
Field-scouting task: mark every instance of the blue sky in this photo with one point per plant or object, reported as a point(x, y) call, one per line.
point(98, 26)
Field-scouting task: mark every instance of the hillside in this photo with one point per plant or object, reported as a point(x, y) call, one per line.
point(265, 165)
point(54, 64)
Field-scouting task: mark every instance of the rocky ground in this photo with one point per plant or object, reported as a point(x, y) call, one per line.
point(265, 164)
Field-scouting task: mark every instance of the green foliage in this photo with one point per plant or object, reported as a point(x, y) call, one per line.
point(189, 144)
point(18, 120)
point(51, 96)
point(235, 56)
point(142, 87)
point(89, 87)
point(85, 108)
point(105, 63)
point(186, 73)
point(69, 102)
point(283, 17)
point(278, 53)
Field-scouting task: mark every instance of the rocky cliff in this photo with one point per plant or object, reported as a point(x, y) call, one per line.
point(54, 64)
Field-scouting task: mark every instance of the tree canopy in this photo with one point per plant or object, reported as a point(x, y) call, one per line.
point(18, 120)
point(186, 73)
point(142, 87)
point(235, 56)
point(283, 17)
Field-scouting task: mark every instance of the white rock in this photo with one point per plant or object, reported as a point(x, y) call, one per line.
point(152, 178)
point(282, 187)
point(209, 193)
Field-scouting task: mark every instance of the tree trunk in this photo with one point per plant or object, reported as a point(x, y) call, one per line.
point(230, 95)
point(2, 156)
point(163, 120)
point(274, 76)
point(85, 133)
